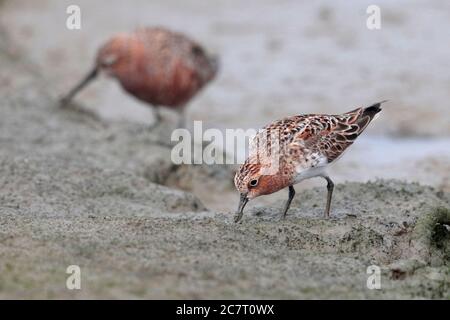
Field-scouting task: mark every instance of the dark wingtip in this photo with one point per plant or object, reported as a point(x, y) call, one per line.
point(62, 102)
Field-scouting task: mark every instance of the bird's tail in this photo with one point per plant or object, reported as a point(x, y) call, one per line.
point(372, 111)
point(362, 119)
point(88, 78)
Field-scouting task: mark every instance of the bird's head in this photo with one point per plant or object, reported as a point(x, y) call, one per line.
point(207, 64)
point(254, 180)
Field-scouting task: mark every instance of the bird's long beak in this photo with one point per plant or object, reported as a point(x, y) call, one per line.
point(242, 202)
point(88, 78)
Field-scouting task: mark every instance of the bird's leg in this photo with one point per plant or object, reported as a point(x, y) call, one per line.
point(157, 118)
point(157, 114)
point(181, 118)
point(88, 78)
point(330, 186)
point(288, 202)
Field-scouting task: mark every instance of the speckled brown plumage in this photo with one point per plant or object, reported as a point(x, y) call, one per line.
point(303, 147)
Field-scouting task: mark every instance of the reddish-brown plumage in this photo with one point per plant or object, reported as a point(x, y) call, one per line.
point(157, 66)
point(303, 147)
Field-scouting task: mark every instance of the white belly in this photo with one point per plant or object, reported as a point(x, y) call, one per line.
point(319, 170)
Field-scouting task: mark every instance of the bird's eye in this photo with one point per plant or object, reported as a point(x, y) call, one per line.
point(253, 183)
point(197, 50)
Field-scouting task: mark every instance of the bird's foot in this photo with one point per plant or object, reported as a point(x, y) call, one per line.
point(153, 126)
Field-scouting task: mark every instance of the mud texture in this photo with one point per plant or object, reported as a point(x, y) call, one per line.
point(75, 190)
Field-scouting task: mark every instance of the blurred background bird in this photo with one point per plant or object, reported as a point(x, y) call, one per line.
point(158, 66)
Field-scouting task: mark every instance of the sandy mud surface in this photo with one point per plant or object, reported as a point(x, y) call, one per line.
point(79, 190)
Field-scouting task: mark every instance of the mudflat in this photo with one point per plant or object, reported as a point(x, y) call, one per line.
point(76, 190)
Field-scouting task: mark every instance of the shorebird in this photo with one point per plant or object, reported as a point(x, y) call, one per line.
point(158, 66)
point(298, 148)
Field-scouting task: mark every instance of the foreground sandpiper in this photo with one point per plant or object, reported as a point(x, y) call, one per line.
point(305, 146)
point(158, 66)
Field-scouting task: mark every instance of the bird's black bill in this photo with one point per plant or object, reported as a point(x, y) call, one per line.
point(242, 202)
point(88, 78)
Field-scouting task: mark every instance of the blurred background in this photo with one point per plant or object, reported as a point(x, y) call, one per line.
point(278, 58)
